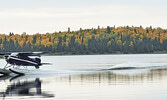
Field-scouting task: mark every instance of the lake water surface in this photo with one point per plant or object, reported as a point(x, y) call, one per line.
point(91, 77)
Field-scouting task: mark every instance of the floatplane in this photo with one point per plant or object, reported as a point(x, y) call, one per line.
point(17, 60)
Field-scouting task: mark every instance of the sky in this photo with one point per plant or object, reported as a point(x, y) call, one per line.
point(42, 16)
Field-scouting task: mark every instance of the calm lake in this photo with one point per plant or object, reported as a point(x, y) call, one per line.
point(91, 77)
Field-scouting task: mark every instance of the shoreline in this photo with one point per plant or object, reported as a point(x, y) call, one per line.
point(117, 53)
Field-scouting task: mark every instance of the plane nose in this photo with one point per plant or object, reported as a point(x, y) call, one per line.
point(6, 56)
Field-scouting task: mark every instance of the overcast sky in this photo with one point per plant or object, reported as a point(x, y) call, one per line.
point(33, 16)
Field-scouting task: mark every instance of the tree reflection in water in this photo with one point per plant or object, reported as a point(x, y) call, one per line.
point(118, 77)
point(74, 83)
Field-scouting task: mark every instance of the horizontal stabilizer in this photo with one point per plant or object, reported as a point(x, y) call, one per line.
point(46, 63)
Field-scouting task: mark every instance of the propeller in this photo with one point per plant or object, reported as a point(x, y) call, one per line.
point(6, 56)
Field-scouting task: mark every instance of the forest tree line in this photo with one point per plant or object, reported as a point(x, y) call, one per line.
point(89, 41)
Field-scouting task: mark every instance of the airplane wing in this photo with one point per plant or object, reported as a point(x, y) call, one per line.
point(31, 53)
point(22, 53)
point(4, 53)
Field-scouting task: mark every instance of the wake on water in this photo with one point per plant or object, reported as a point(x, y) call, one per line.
point(129, 66)
point(126, 68)
point(118, 67)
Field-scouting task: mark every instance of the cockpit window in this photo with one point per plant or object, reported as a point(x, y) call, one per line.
point(14, 54)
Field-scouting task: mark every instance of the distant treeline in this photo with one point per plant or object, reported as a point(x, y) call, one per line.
point(89, 41)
